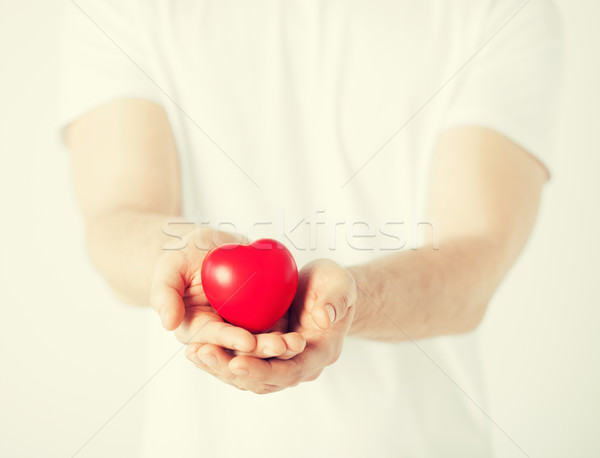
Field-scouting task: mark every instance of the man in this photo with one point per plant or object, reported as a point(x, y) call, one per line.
point(337, 127)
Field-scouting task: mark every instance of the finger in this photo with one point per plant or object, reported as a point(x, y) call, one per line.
point(333, 302)
point(208, 328)
point(167, 289)
point(269, 371)
point(215, 360)
point(268, 345)
point(211, 359)
point(194, 295)
point(295, 345)
point(191, 351)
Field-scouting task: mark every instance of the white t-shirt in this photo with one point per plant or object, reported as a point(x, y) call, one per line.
point(291, 113)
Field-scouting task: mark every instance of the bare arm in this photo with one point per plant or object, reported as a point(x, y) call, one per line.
point(484, 198)
point(126, 178)
point(127, 181)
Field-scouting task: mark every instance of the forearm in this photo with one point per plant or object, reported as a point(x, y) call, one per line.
point(426, 292)
point(123, 245)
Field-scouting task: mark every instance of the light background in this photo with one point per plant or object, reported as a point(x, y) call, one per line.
point(71, 355)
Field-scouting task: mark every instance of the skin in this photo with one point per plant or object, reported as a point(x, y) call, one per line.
point(483, 225)
point(129, 144)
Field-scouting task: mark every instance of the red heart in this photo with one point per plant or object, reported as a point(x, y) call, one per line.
point(251, 286)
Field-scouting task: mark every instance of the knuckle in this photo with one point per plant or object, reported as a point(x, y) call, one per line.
point(190, 351)
point(237, 386)
point(229, 377)
point(344, 302)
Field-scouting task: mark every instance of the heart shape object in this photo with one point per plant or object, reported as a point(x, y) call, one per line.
point(251, 286)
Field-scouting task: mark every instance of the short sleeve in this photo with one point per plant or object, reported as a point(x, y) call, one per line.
point(102, 58)
point(513, 82)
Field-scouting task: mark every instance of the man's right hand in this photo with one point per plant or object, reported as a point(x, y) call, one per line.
point(178, 297)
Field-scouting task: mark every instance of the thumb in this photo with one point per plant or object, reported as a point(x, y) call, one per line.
point(168, 287)
point(333, 304)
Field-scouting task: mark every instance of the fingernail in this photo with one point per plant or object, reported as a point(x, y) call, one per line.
point(331, 312)
point(240, 372)
point(209, 360)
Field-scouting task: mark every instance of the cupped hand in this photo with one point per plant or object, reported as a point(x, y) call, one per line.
point(178, 297)
point(321, 313)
